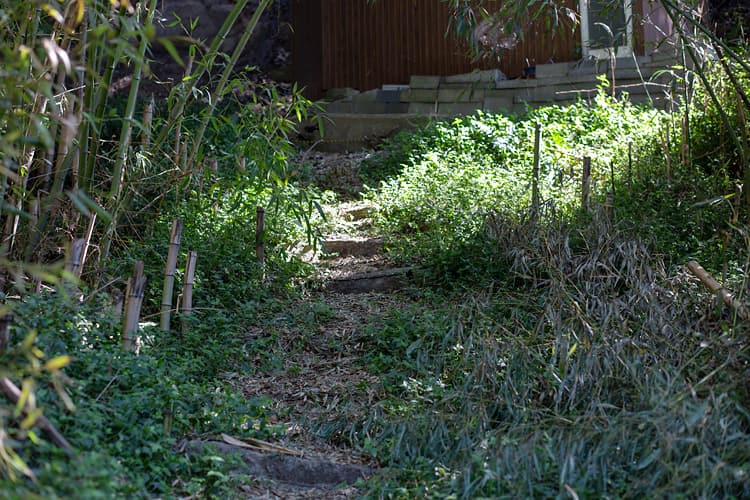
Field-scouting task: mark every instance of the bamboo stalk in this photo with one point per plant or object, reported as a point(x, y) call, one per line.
point(104, 64)
point(127, 119)
point(13, 393)
point(89, 235)
point(187, 288)
point(174, 250)
point(119, 169)
point(133, 301)
point(535, 173)
point(714, 286)
point(62, 166)
point(586, 183)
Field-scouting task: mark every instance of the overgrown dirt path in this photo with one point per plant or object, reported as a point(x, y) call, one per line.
point(312, 368)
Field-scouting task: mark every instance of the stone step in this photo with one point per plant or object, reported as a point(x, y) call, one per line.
point(382, 280)
point(353, 247)
point(356, 211)
point(301, 471)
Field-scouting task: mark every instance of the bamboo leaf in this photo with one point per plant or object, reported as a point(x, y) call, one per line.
point(23, 399)
point(31, 418)
point(649, 459)
point(169, 46)
point(80, 9)
point(67, 401)
point(572, 349)
point(57, 363)
point(18, 464)
point(12, 209)
point(53, 13)
point(78, 204)
point(93, 206)
point(28, 342)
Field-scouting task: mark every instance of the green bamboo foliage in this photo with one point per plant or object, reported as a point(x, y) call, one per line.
point(228, 70)
point(184, 92)
point(127, 120)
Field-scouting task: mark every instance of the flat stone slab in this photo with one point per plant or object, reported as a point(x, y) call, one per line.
point(358, 247)
point(357, 212)
point(307, 472)
point(383, 280)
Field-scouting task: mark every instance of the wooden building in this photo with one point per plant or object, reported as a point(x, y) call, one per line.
point(365, 45)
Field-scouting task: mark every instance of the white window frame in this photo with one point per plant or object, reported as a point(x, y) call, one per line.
point(607, 52)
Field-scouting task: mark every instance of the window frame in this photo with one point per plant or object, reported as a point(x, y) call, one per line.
point(625, 50)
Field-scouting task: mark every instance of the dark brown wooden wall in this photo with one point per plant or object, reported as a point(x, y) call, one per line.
point(365, 45)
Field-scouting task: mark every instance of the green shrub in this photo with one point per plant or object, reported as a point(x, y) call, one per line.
point(131, 410)
point(453, 175)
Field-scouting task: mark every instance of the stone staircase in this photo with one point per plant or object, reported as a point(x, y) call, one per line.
point(354, 261)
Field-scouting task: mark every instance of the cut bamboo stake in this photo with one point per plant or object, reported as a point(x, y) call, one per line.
point(187, 289)
point(586, 183)
point(133, 300)
point(260, 251)
point(535, 173)
point(117, 300)
point(75, 252)
point(174, 250)
point(609, 204)
point(13, 393)
point(148, 116)
point(715, 287)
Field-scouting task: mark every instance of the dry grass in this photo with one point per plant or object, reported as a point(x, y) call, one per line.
point(595, 373)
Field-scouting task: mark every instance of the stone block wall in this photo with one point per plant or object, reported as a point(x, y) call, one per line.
point(560, 83)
